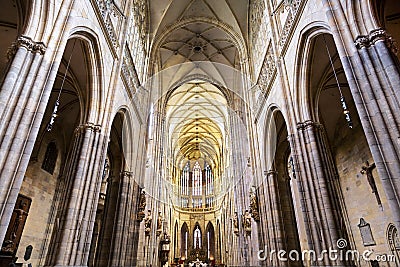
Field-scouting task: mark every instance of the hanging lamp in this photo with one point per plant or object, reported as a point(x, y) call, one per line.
point(57, 104)
point(346, 111)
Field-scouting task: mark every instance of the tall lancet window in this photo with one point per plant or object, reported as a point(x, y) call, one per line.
point(197, 179)
point(197, 238)
point(185, 180)
point(184, 241)
point(184, 186)
point(209, 186)
point(209, 180)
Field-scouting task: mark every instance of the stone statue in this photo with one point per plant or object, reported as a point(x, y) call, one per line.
point(235, 221)
point(247, 219)
point(159, 223)
point(367, 170)
point(247, 222)
point(147, 223)
point(142, 201)
point(254, 206)
point(141, 206)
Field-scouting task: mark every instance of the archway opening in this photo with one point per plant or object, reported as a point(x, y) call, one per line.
point(387, 13)
point(45, 182)
point(287, 193)
point(184, 242)
point(210, 242)
point(347, 158)
point(14, 15)
point(103, 241)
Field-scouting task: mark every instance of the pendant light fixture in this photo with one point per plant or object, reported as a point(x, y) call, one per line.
point(57, 104)
point(346, 111)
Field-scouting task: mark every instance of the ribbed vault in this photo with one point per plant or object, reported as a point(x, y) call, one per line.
point(198, 30)
point(198, 50)
point(197, 122)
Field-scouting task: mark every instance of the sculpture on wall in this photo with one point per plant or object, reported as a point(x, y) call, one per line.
point(16, 226)
point(142, 201)
point(235, 221)
point(141, 206)
point(197, 237)
point(254, 206)
point(247, 223)
point(159, 223)
point(147, 223)
point(367, 169)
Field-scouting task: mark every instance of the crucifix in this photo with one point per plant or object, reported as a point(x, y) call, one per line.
point(367, 169)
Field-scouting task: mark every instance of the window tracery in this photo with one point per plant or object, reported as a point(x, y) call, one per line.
point(197, 238)
point(197, 180)
point(185, 180)
point(50, 158)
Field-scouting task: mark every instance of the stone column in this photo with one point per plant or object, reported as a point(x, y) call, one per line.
point(380, 104)
point(374, 80)
point(134, 227)
point(315, 174)
point(276, 240)
point(105, 244)
point(22, 103)
point(123, 219)
point(83, 177)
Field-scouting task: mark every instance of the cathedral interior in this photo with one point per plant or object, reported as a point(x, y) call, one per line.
point(199, 133)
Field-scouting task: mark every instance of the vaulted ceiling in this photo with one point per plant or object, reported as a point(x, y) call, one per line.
point(198, 30)
point(192, 38)
point(196, 119)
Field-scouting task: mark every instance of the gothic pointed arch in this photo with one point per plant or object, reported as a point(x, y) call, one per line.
point(197, 237)
point(210, 235)
point(393, 240)
point(93, 89)
point(184, 241)
point(330, 118)
point(302, 96)
point(119, 187)
point(385, 15)
point(14, 19)
point(54, 150)
point(176, 241)
point(278, 193)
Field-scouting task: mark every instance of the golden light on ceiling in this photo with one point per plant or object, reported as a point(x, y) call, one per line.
point(196, 115)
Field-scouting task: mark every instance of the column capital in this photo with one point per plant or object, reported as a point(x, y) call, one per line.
point(126, 174)
point(362, 41)
point(270, 172)
point(28, 44)
point(374, 36)
point(87, 126)
point(308, 124)
point(382, 35)
point(377, 35)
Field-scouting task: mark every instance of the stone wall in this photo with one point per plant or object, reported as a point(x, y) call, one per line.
point(350, 151)
point(40, 186)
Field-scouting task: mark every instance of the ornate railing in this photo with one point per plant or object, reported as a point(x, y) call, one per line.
point(110, 17)
point(197, 210)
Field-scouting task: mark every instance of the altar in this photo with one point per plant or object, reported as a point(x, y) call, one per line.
point(197, 263)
